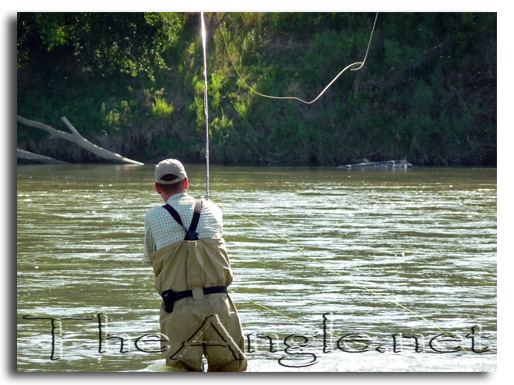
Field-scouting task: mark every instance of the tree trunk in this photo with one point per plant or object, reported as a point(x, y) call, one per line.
point(22, 154)
point(78, 139)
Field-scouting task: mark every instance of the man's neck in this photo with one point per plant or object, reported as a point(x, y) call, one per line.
point(166, 197)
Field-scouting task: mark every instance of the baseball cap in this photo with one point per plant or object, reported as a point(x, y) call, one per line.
point(170, 166)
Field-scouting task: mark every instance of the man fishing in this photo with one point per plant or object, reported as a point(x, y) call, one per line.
point(184, 244)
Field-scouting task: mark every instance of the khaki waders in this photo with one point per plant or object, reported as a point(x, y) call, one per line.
point(203, 320)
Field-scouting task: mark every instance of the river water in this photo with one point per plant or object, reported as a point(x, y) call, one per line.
point(335, 270)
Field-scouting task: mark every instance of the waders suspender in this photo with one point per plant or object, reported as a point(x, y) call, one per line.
point(169, 296)
point(191, 234)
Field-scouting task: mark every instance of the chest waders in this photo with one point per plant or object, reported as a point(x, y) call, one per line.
point(168, 296)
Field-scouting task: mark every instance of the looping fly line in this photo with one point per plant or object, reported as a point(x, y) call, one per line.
point(353, 67)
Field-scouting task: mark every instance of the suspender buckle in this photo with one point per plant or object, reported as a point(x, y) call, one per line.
point(191, 236)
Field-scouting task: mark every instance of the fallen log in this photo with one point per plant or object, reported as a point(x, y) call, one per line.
point(27, 155)
point(78, 139)
point(384, 164)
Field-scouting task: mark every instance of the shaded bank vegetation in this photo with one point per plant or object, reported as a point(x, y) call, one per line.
point(133, 83)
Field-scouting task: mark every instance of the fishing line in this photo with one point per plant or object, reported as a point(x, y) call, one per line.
point(279, 313)
point(335, 272)
point(353, 67)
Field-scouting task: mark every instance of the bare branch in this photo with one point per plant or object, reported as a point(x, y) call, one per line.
point(69, 125)
point(78, 139)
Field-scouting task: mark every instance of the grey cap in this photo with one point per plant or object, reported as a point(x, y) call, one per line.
point(170, 166)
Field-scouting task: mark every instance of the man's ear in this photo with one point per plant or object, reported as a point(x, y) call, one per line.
point(186, 184)
point(158, 188)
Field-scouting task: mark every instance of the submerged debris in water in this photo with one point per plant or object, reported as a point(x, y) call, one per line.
point(384, 164)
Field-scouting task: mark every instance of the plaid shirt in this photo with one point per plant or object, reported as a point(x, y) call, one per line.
point(162, 230)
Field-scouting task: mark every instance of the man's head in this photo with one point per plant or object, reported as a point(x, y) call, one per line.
point(170, 177)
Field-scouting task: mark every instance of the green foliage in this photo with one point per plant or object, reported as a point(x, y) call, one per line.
point(161, 109)
point(426, 93)
point(102, 43)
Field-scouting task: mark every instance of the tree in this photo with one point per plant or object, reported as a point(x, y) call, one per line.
point(102, 43)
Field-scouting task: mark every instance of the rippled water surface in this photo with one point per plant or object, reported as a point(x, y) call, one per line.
point(335, 269)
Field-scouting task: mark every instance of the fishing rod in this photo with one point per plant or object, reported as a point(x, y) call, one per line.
point(206, 104)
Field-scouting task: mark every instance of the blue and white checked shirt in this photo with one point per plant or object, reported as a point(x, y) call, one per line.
point(162, 230)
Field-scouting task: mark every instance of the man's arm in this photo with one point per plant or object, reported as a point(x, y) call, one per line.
point(149, 244)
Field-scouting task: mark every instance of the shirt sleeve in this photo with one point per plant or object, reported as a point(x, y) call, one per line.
point(211, 221)
point(149, 244)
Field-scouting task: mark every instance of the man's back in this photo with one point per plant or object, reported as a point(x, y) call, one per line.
point(162, 230)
